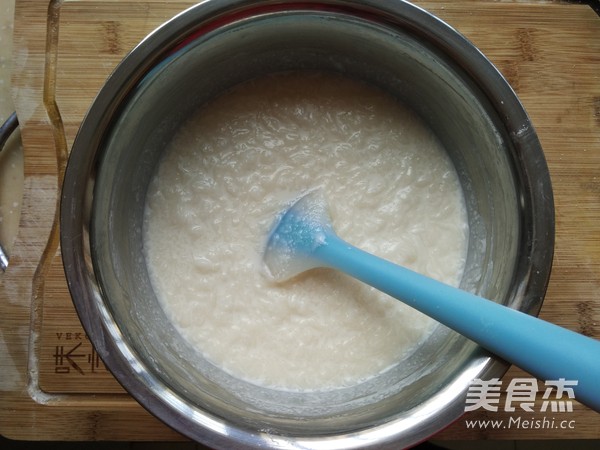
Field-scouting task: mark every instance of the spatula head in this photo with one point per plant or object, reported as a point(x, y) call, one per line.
point(295, 235)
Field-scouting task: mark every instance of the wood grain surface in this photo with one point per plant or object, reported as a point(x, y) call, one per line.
point(52, 384)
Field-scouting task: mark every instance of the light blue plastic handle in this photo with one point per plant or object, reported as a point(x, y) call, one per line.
point(543, 349)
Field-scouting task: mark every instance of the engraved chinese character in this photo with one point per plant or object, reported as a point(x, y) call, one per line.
point(60, 365)
point(562, 387)
point(483, 394)
point(65, 361)
point(93, 360)
point(523, 391)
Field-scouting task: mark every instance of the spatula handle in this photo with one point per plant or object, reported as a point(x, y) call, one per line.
point(543, 349)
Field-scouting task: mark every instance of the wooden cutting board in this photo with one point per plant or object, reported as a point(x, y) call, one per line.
point(52, 384)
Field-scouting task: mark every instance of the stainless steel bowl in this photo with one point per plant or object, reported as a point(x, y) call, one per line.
point(209, 48)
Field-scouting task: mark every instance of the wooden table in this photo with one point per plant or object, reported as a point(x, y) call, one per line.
point(52, 384)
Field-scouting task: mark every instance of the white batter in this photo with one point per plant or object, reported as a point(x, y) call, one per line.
point(236, 164)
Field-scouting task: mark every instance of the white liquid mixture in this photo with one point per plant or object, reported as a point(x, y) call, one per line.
point(238, 163)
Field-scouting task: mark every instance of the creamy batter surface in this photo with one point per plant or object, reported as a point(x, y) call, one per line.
point(236, 164)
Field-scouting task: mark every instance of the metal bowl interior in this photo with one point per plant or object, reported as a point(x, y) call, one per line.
point(203, 52)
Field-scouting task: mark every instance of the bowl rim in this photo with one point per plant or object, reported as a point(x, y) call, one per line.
point(210, 15)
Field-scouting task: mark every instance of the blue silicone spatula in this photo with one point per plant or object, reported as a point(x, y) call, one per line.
point(303, 238)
